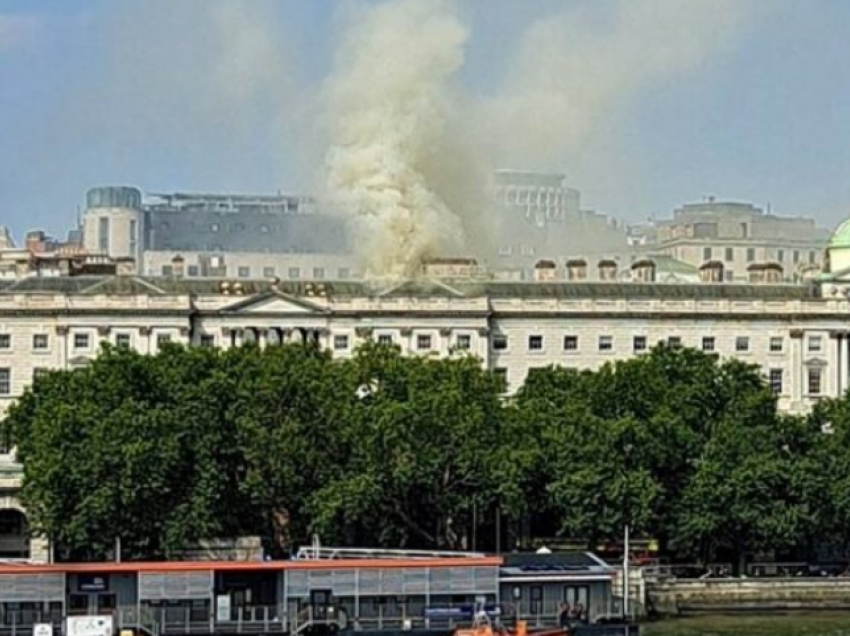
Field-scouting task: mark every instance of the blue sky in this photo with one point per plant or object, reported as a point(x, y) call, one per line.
point(219, 95)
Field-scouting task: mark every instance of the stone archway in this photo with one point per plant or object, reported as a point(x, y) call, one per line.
point(14, 534)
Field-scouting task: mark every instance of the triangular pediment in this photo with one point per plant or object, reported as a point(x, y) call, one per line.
point(274, 303)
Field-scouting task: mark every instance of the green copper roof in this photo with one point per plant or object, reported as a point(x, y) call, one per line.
point(841, 236)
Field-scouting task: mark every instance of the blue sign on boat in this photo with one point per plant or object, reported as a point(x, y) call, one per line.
point(461, 611)
point(444, 612)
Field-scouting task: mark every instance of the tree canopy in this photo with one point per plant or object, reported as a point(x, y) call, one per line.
point(383, 449)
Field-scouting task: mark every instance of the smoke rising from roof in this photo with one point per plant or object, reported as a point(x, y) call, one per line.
point(389, 99)
point(393, 99)
point(226, 94)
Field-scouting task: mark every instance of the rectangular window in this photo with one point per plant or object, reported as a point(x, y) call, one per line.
point(606, 343)
point(464, 342)
point(742, 343)
point(5, 381)
point(423, 342)
point(500, 342)
point(244, 272)
point(39, 372)
point(730, 254)
point(132, 236)
point(318, 273)
point(385, 339)
point(706, 253)
point(751, 254)
point(269, 272)
point(294, 273)
point(340, 343)
point(776, 344)
point(570, 343)
point(343, 273)
point(814, 381)
point(535, 343)
point(167, 270)
point(40, 341)
point(814, 344)
point(674, 341)
point(775, 380)
point(5, 341)
point(639, 343)
point(813, 257)
point(103, 234)
point(81, 341)
point(796, 256)
point(122, 340)
point(163, 339)
point(501, 374)
point(708, 343)
point(780, 255)
point(192, 271)
point(207, 340)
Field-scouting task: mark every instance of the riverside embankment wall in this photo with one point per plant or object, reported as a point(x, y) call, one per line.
point(674, 597)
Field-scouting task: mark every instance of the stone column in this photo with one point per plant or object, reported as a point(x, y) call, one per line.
point(796, 370)
point(406, 334)
point(843, 362)
point(145, 336)
point(324, 335)
point(836, 354)
point(363, 333)
point(484, 346)
point(445, 340)
point(62, 345)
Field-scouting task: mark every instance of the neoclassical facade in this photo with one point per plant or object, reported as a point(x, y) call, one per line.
point(798, 334)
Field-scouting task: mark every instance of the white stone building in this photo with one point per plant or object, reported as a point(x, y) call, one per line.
point(797, 334)
point(739, 236)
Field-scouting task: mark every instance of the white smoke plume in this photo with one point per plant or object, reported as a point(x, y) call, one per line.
point(389, 100)
point(576, 70)
point(392, 101)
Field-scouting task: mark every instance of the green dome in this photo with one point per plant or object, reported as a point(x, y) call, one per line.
point(841, 236)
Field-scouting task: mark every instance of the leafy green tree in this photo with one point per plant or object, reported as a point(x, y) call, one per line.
point(824, 471)
point(386, 449)
point(420, 438)
point(104, 456)
point(295, 405)
point(744, 495)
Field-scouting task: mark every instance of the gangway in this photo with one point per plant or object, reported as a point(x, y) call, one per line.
point(316, 552)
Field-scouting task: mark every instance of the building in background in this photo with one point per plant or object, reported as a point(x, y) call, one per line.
point(737, 238)
point(214, 235)
point(539, 217)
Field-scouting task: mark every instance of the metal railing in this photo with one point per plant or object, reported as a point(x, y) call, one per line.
point(688, 571)
point(317, 553)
